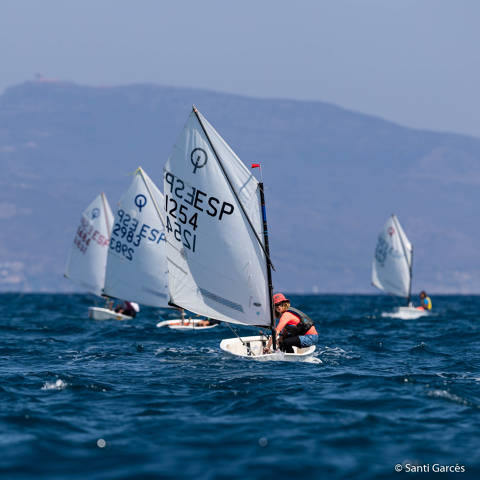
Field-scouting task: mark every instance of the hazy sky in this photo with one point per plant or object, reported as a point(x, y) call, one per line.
point(412, 61)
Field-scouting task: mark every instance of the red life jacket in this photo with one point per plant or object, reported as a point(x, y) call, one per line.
point(300, 325)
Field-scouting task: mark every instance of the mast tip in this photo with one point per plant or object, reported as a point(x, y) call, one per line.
point(194, 108)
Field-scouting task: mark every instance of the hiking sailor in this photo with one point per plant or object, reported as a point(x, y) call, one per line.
point(294, 328)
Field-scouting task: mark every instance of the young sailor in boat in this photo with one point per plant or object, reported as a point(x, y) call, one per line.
point(207, 322)
point(425, 301)
point(128, 308)
point(294, 328)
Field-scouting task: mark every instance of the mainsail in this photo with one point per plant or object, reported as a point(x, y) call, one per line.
point(137, 264)
point(215, 250)
point(88, 255)
point(392, 262)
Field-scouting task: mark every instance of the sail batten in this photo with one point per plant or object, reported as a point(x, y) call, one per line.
point(392, 262)
point(217, 262)
point(137, 266)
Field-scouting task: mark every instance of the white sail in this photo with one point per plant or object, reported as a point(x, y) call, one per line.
point(216, 263)
point(88, 255)
point(137, 264)
point(391, 271)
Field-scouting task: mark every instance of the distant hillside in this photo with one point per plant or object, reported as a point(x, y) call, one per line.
point(332, 177)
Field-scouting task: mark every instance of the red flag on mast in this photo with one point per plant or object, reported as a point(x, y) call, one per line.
point(255, 165)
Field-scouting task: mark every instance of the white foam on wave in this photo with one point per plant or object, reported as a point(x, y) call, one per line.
point(57, 385)
point(315, 360)
point(451, 396)
point(184, 350)
point(333, 352)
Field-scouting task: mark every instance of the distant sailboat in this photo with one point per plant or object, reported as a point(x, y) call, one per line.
point(88, 256)
point(217, 243)
point(392, 267)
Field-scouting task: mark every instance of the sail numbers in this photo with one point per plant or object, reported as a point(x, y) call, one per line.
point(184, 204)
point(127, 234)
point(86, 233)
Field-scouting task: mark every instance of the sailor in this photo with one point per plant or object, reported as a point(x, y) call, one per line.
point(207, 322)
point(130, 309)
point(425, 302)
point(294, 328)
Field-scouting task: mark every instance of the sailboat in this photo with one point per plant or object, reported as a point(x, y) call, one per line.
point(88, 255)
point(392, 267)
point(217, 241)
point(136, 261)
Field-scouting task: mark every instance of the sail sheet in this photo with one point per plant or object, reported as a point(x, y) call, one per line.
point(391, 271)
point(137, 264)
point(88, 255)
point(215, 255)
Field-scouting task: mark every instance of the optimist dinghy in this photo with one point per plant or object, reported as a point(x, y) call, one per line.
point(253, 347)
point(98, 313)
point(217, 243)
point(392, 268)
point(88, 255)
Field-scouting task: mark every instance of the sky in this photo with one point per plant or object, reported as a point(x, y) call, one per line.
point(415, 62)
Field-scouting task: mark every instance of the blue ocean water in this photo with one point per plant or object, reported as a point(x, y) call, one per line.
point(126, 400)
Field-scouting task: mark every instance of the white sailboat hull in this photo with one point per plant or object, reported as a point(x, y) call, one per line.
point(406, 313)
point(98, 313)
point(252, 347)
point(187, 324)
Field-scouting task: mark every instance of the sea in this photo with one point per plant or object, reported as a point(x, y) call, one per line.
point(381, 398)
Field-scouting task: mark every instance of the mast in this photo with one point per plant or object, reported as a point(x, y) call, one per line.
point(410, 283)
point(269, 270)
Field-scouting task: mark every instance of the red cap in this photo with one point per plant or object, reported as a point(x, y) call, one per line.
point(279, 298)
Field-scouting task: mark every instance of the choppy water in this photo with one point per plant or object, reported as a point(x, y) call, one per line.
point(109, 400)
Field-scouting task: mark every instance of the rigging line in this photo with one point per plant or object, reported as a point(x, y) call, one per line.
point(249, 351)
point(231, 187)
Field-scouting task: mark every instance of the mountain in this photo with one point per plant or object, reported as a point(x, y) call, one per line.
point(332, 178)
